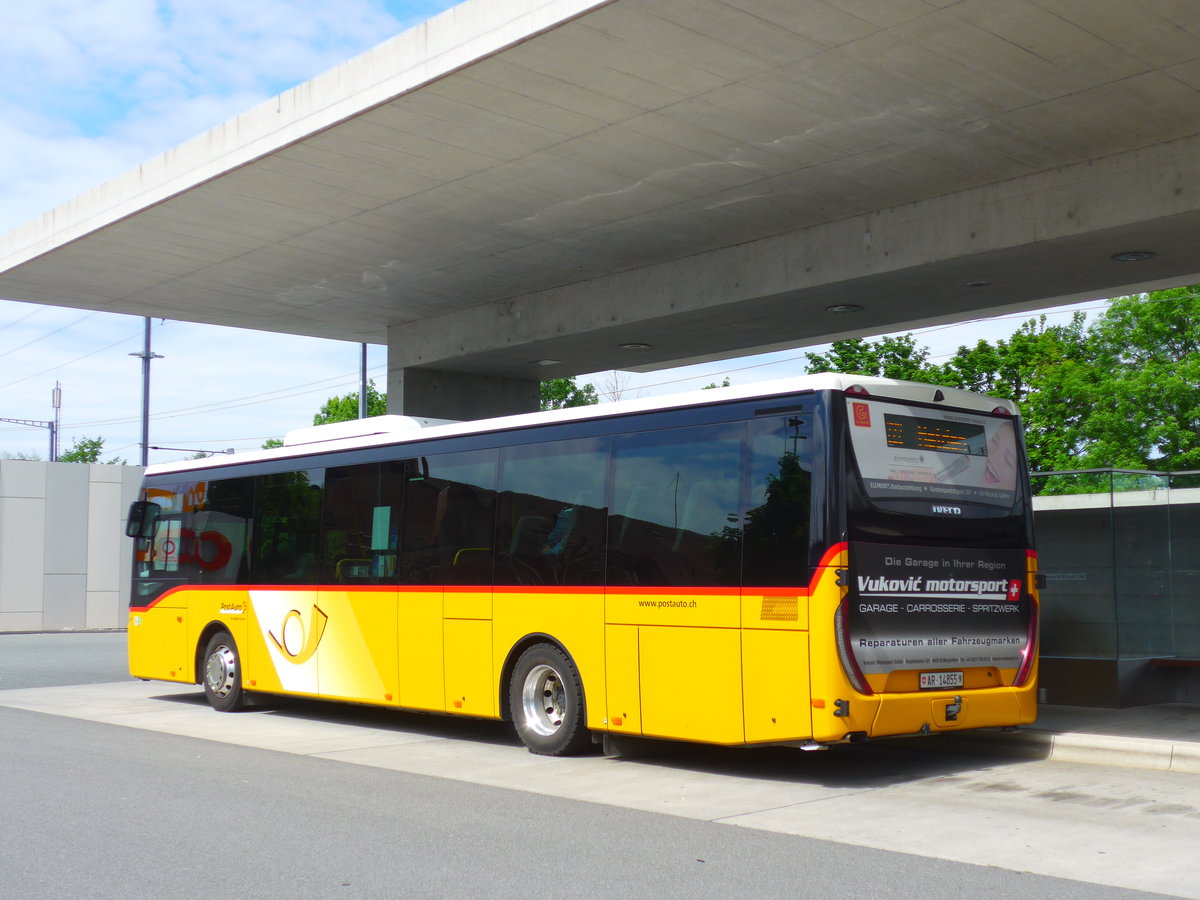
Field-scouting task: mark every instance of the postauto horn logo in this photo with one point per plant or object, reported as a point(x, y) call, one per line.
point(298, 640)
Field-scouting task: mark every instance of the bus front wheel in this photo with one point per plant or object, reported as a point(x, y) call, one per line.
point(546, 699)
point(222, 673)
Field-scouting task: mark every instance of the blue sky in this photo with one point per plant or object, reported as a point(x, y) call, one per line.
point(91, 88)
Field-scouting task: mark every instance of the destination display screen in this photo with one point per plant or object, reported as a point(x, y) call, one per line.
point(920, 433)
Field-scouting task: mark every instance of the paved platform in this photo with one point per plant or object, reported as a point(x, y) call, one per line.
point(1164, 737)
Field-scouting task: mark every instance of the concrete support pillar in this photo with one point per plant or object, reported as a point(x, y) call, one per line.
point(442, 394)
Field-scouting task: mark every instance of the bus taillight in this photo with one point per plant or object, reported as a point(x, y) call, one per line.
point(1029, 653)
point(845, 654)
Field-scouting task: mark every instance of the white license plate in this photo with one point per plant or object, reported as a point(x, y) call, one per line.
point(935, 680)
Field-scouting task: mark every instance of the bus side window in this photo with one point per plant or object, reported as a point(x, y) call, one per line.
point(550, 525)
point(287, 526)
point(219, 532)
point(449, 520)
point(779, 507)
point(674, 516)
point(360, 525)
point(417, 557)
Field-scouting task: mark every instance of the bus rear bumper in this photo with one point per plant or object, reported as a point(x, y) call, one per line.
point(944, 711)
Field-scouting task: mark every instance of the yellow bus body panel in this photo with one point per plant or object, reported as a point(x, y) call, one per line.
point(420, 655)
point(158, 644)
point(685, 662)
point(356, 656)
point(470, 688)
point(622, 679)
point(775, 683)
point(691, 683)
point(718, 665)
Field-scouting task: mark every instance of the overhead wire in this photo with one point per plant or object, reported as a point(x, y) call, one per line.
point(50, 333)
point(129, 337)
point(26, 317)
point(332, 382)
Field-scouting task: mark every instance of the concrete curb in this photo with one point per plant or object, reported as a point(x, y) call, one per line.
point(1082, 747)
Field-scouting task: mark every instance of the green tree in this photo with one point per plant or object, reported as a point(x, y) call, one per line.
point(712, 385)
point(272, 443)
point(1123, 392)
point(559, 393)
point(1047, 371)
point(1144, 393)
point(888, 357)
point(87, 450)
point(345, 408)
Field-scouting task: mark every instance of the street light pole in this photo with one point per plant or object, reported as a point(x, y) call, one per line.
point(56, 403)
point(362, 385)
point(146, 355)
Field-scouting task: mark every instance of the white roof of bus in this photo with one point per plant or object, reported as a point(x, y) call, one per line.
point(385, 430)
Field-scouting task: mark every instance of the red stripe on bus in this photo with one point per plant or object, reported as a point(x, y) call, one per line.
point(619, 590)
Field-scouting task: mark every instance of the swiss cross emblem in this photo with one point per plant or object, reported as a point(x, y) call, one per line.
point(1014, 590)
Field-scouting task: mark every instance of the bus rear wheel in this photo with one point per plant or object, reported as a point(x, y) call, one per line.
point(222, 673)
point(546, 699)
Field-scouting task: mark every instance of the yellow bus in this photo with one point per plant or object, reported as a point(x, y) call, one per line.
point(823, 559)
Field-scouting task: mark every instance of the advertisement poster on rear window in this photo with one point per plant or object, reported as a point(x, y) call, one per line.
point(940, 455)
point(937, 608)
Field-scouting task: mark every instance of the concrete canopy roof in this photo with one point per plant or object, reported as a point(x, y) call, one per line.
point(523, 180)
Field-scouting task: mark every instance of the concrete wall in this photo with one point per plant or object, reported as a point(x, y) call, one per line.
point(64, 558)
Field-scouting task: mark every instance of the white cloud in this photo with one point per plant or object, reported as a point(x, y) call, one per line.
point(91, 88)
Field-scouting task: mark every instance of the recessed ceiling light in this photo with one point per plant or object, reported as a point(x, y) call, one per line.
point(634, 346)
point(1133, 256)
point(545, 362)
point(844, 308)
point(977, 284)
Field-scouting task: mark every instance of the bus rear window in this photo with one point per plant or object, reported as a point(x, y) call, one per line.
point(943, 456)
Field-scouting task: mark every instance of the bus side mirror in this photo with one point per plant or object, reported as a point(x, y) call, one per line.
point(143, 516)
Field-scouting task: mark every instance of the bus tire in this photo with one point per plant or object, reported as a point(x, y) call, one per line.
point(546, 699)
point(221, 673)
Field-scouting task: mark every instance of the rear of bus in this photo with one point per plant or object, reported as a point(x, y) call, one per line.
point(934, 627)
